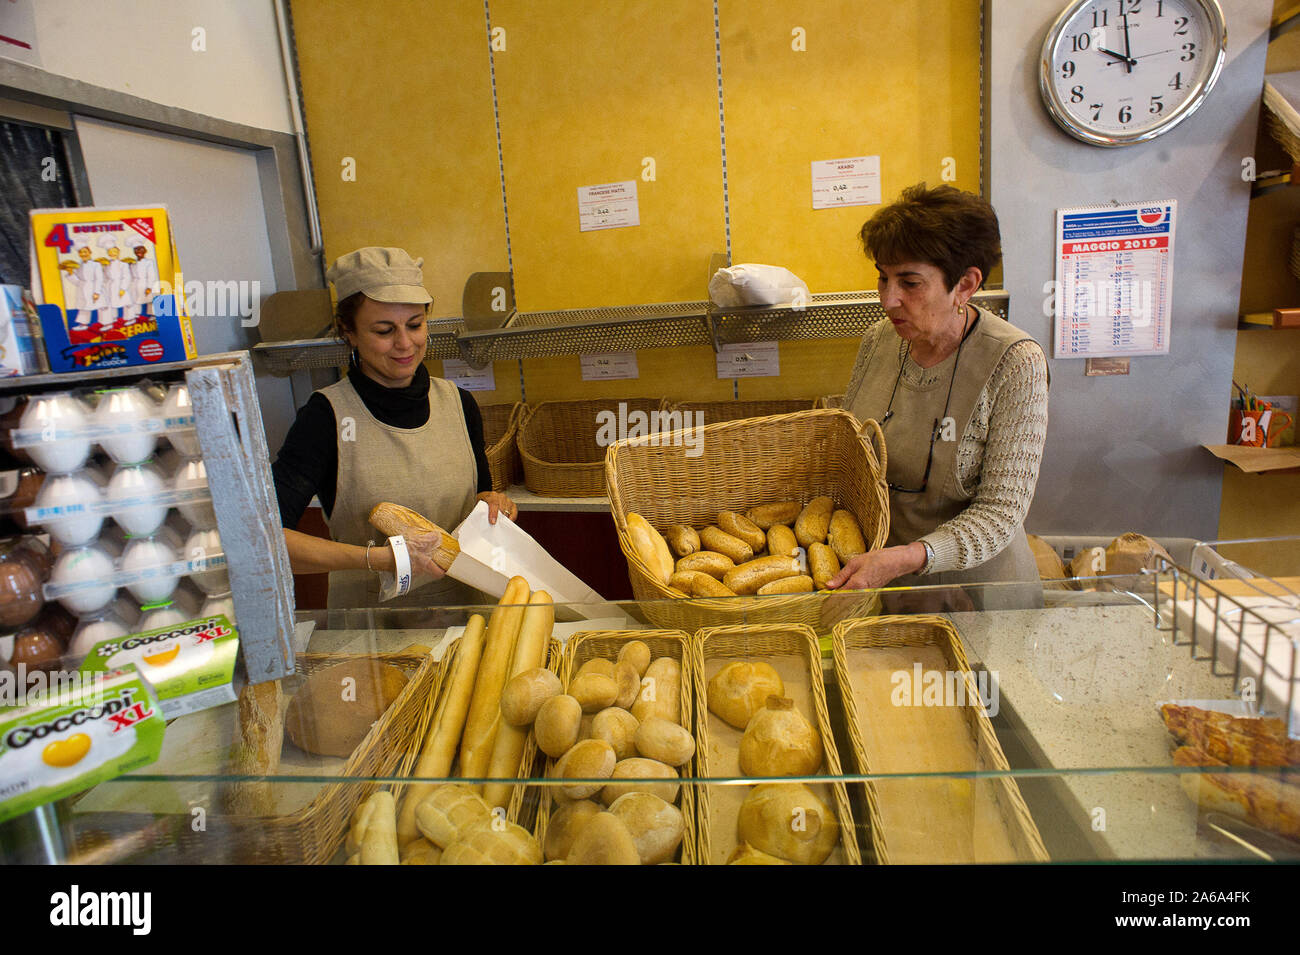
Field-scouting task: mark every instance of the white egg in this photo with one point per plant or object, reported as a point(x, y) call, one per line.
point(95, 629)
point(193, 474)
point(63, 490)
point(84, 565)
point(146, 553)
point(126, 406)
point(177, 405)
point(206, 545)
point(60, 412)
point(140, 481)
point(159, 617)
point(219, 604)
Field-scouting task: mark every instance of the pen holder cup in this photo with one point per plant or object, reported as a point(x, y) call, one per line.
point(1260, 429)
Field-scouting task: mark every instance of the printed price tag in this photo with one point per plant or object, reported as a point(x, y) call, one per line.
point(609, 206)
point(846, 182)
point(749, 360)
point(609, 365)
point(464, 375)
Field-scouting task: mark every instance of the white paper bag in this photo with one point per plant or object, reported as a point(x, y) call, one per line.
point(753, 284)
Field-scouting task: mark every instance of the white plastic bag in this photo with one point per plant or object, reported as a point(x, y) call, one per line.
point(751, 284)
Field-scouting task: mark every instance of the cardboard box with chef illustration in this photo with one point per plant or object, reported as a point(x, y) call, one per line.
point(78, 736)
point(108, 289)
point(191, 666)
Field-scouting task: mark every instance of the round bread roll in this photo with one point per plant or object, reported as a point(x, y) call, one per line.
point(745, 854)
point(497, 843)
point(593, 691)
point(597, 665)
point(656, 826)
point(660, 694)
point(565, 824)
point(646, 771)
point(617, 728)
point(779, 741)
point(420, 852)
point(604, 840)
point(789, 821)
point(450, 811)
point(666, 742)
point(335, 707)
point(629, 684)
point(636, 653)
point(588, 759)
point(525, 693)
point(739, 690)
point(558, 725)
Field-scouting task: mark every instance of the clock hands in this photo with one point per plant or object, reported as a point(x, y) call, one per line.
point(1128, 52)
point(1127, 60)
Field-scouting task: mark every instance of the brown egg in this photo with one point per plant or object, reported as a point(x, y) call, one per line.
point(57, 620)
point(32, 551)
point(39, 649)
point(20, 592)
point(29, 481)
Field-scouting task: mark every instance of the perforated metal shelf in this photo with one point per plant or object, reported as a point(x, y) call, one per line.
point(284, 358)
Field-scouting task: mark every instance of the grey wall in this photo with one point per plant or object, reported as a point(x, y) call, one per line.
point(1123, 453)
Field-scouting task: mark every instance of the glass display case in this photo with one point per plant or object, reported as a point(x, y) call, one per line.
point(1118, 718)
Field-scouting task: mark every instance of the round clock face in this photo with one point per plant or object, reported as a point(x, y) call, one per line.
point(1116, 72)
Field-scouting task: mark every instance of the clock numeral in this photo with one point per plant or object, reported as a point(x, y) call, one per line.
point(1180, 26)
point(1191, 52)
point(1099, 16)
point(1176, 83)
point(1129, 6)
point(1125, 114)
point(1160, 8)
point(1096, 110)
point(1076, 94)
point(1067, 69)
point(1080, 42)
point(1156, 104)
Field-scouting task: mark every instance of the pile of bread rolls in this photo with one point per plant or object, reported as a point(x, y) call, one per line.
point(479, 729)
point(781, 548)
point(779, 823)
point(618, 720)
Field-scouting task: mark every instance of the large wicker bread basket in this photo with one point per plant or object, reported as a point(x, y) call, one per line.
point(736, 465)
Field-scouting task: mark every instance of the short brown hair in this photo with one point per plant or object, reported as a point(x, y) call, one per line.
point(950, 229)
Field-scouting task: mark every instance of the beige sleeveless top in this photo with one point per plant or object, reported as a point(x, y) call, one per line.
point(429, 469)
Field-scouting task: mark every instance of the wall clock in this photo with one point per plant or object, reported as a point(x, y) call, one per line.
point(1118, 72)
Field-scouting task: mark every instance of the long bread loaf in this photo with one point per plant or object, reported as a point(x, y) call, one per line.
point(484, 716)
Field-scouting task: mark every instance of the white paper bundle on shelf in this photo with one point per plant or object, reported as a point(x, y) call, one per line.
point(751, 284)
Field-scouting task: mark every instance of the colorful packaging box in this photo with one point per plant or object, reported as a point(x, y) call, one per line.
point(191, 666)
point(108, 288)
point(20, 349)
point(78, 736)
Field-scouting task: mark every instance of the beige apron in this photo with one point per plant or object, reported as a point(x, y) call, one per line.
point(429, 469)
point(907, 440)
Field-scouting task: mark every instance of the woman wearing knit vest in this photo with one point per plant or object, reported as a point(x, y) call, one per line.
point(961, 396)
point(386, 432)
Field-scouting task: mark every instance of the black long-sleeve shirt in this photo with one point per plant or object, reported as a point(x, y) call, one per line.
point(308, 463)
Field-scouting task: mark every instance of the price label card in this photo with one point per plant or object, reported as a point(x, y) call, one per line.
point(464, 375)
point(846, 182)
point(610, 206)
point(609, 365)
point(749, 360)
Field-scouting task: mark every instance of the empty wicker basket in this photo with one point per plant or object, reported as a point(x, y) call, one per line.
point(500, 428)
point(563, 447)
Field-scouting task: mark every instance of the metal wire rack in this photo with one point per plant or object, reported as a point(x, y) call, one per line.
point(284, 358)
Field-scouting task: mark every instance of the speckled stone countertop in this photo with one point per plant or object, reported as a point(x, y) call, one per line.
point(1079, 686)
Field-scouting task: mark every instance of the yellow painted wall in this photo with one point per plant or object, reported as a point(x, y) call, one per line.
point(586, 91)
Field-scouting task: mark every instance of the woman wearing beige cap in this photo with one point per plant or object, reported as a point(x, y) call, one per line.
point(387, 432)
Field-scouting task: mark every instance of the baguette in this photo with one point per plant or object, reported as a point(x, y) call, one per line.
point(650, 547)
point(798, 584)
point(845, 536)
point(823, 564)
point(485, 706)
point(444, 730)
point(721, 542)
point(782, 512)
point(706, 562)
point(748, 577)
point(781, 541)
point(393, 519)
point(683, 539)
point(814, 521)
point(379, 838)
point(740, 526)
point(530, 653)
point(261, 730)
